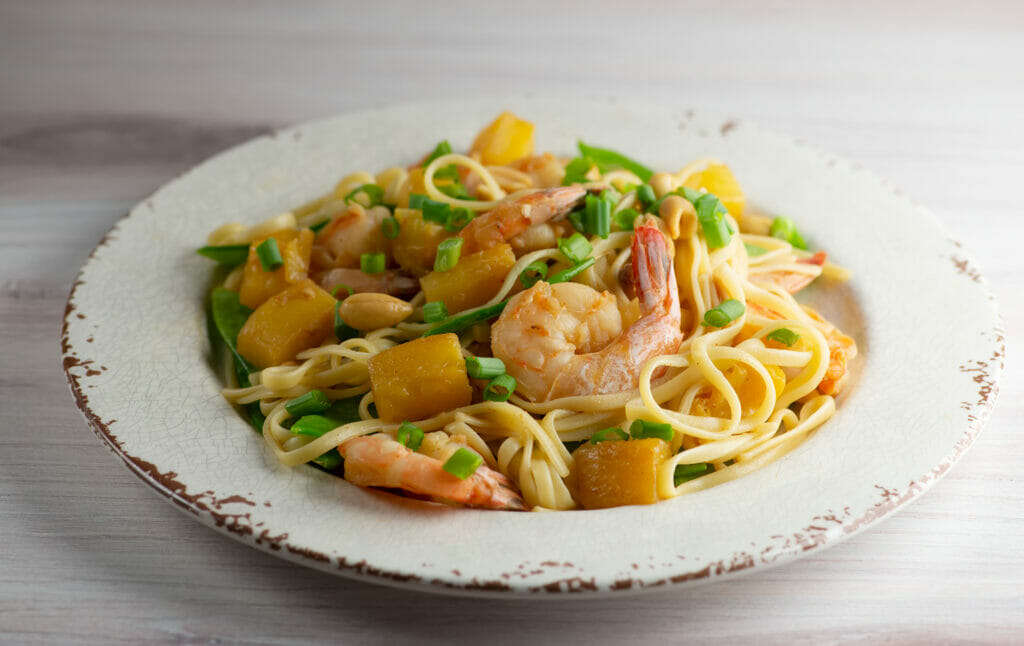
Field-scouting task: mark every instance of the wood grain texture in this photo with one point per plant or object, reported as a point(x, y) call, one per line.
point(102, 102)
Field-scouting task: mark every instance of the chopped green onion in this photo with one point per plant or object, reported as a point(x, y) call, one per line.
point(458, 218)
point(576, 247)
point(609, 159)
point(447, 254)
point(643, 428)
point(374, 194)
point(534, 272)
point(449, 172)
point(572, 272)
point(754, 250)
point(609, 435)
point(329, 461)
point(726, 312)
point(645, 194)
point(687, 472)
point(269, 254)
point(315, 228)
point(390, 227)
point(229, 254)
point(314, 425)
point(340, 286)
point(409, 435)
point(500, 388)
point(690, 194)
point(372, 263)
point(467, 319)
point(783, 335)
point(625, 219)
point(709, 213)
point(442, 148)
point(434, 211)
point(455, 189)
point(463, 463)
point(597, 216)
point(416, 200)
point(434, 312)
point(312, 402)
point(784, 228)
point(576, 220)
point(576, 171)
point(484, 367)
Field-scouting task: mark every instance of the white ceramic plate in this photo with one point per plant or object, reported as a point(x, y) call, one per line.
point(136, 355)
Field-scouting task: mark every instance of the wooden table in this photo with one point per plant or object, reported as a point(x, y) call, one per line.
point(101, 102)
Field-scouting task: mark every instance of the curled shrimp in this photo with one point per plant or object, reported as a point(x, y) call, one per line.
point(350, 234)
point(567, 339)
point(386, 282)
point(513, 216)
point(379, 461)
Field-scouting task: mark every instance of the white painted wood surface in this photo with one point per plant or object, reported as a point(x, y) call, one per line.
point(101, 102)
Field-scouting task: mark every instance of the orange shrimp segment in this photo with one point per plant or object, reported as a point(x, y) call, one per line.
point(567, 339)
point(379, 461)
point(512, 217)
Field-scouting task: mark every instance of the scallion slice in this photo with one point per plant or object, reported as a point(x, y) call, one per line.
point(687, 472)
point(783, 335)
point(484, 367)
point(709, 214)
point(500, 388)
point(442, 148)
point(625, 219)
point(597, 216)
point(534, 272)
point(645, 195)
point(372, 263)
point(754, 250)
point(458, 218)
point(312, 402)
point(340, 286)
point(390, 227)
point(576, 247)
point(447, 254)
point(463, 463)
point(374, 194)
point(784, 228)
point(726, 312)
point(609, 159)
point(269, 255)
point(434, 211)
point(613, 434)
point(642, 428)
point(313, 425)
point(572, 272)
point(416, 200)
point(576, 220)
point(409, 435)
point(434, 312)
point(230, 254)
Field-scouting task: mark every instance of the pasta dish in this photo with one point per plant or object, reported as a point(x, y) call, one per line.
point(506, 329)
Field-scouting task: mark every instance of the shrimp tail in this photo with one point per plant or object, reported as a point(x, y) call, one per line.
point(653, 276)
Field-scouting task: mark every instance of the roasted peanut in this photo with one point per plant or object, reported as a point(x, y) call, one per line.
point(680, 217)
point(373, 311)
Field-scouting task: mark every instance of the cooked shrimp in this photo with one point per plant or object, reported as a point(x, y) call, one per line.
point(387, 282)
point(379, 461)
point(349, 235)
point(791, 281)
point(511, 217)
point(567, 339)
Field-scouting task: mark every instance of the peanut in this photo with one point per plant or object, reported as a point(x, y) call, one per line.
point(373, 311)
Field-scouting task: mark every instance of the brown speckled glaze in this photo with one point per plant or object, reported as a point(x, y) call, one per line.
point(232, 512)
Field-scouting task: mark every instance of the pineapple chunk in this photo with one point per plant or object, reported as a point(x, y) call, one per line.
point(258, 285)
point(416, 245)
point(419, 379)
point(505, 140)
point(472, 281)
point(612, 474)
point(718, 179)
point(293, 320)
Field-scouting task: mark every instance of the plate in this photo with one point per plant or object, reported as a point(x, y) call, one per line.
point(136, 356)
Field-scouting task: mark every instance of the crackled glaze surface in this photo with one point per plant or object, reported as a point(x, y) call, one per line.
point(919, 395)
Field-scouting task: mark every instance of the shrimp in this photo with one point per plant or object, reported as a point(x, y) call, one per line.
point(348, 236)
point(512, 217)
point(567, 339)
point(379, 461)
point(386, 282)
point(791, 281)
